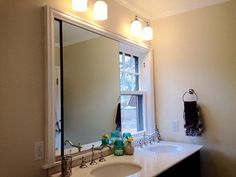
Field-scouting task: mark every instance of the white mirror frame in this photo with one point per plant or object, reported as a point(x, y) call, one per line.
point(50, 15)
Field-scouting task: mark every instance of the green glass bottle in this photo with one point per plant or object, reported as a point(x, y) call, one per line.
point(119, 147)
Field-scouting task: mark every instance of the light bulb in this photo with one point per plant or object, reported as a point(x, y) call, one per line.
point(100, 10)
point(80, 5)
point(136, 28)
point(147, 33)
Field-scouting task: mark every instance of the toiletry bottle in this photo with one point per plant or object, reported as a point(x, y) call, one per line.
point(119, 147)
point(125, 136)
point(114, 136)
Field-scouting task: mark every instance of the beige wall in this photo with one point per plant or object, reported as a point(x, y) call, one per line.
point(21, 87)
point(91, 87)
point(198, 50)
point(22, 78)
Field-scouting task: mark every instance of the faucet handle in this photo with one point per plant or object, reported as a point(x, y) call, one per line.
point(83, 163)
point(93, 162)
point(150, 140)
point(140, 144)
point(158, 136)
point(79, 147)
point(153, 138)
point(101, 159)
point(145, 139)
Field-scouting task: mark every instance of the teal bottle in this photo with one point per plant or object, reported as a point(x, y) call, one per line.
point(119, 147)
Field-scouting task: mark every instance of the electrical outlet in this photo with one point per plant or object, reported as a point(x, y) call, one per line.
point(39, 150)
point(175, 126)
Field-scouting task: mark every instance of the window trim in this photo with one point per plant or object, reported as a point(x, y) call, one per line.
point(133, 54)
point(146, 86)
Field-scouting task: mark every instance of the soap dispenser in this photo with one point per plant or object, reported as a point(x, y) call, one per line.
point(119, 147)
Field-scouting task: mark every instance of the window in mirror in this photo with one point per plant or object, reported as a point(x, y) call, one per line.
point(132, 99)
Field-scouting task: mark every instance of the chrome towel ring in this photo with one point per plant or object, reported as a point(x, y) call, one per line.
point(191, 92)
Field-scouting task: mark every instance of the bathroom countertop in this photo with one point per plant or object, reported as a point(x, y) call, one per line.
point(152, 163)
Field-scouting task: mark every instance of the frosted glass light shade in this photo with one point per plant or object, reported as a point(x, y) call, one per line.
point(100, 10)
point(80, 5)
point(147, 33)
point(136, 28)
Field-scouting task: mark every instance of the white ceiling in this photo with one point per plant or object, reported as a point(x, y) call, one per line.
point(155, 9)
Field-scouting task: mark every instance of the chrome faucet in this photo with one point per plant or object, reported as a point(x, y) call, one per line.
point(103, 146)
point(145, 139)
point(79, 147)
point(93, 149)
point(101, 158)
point(93, 162)
point(140, 144)
point(83, 163)
point(150, 140)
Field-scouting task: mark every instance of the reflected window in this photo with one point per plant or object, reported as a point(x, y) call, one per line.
point(132, 99)
point(129, 72)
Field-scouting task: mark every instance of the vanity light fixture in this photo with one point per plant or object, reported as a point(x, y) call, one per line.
point(147, 33)
point(100, 10)
point(80, 5)
point(136, 29)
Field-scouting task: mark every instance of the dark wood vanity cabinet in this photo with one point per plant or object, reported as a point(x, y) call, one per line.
point(189, 167)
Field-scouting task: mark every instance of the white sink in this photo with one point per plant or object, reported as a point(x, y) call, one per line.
point(164, 148)
point(121, 169)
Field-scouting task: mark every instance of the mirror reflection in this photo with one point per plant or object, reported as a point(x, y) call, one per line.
point(95, 77)
point(90, 84)
point(57, 88)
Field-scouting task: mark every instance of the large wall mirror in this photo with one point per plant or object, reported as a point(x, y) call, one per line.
point(90, 73)
point(88, 76)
